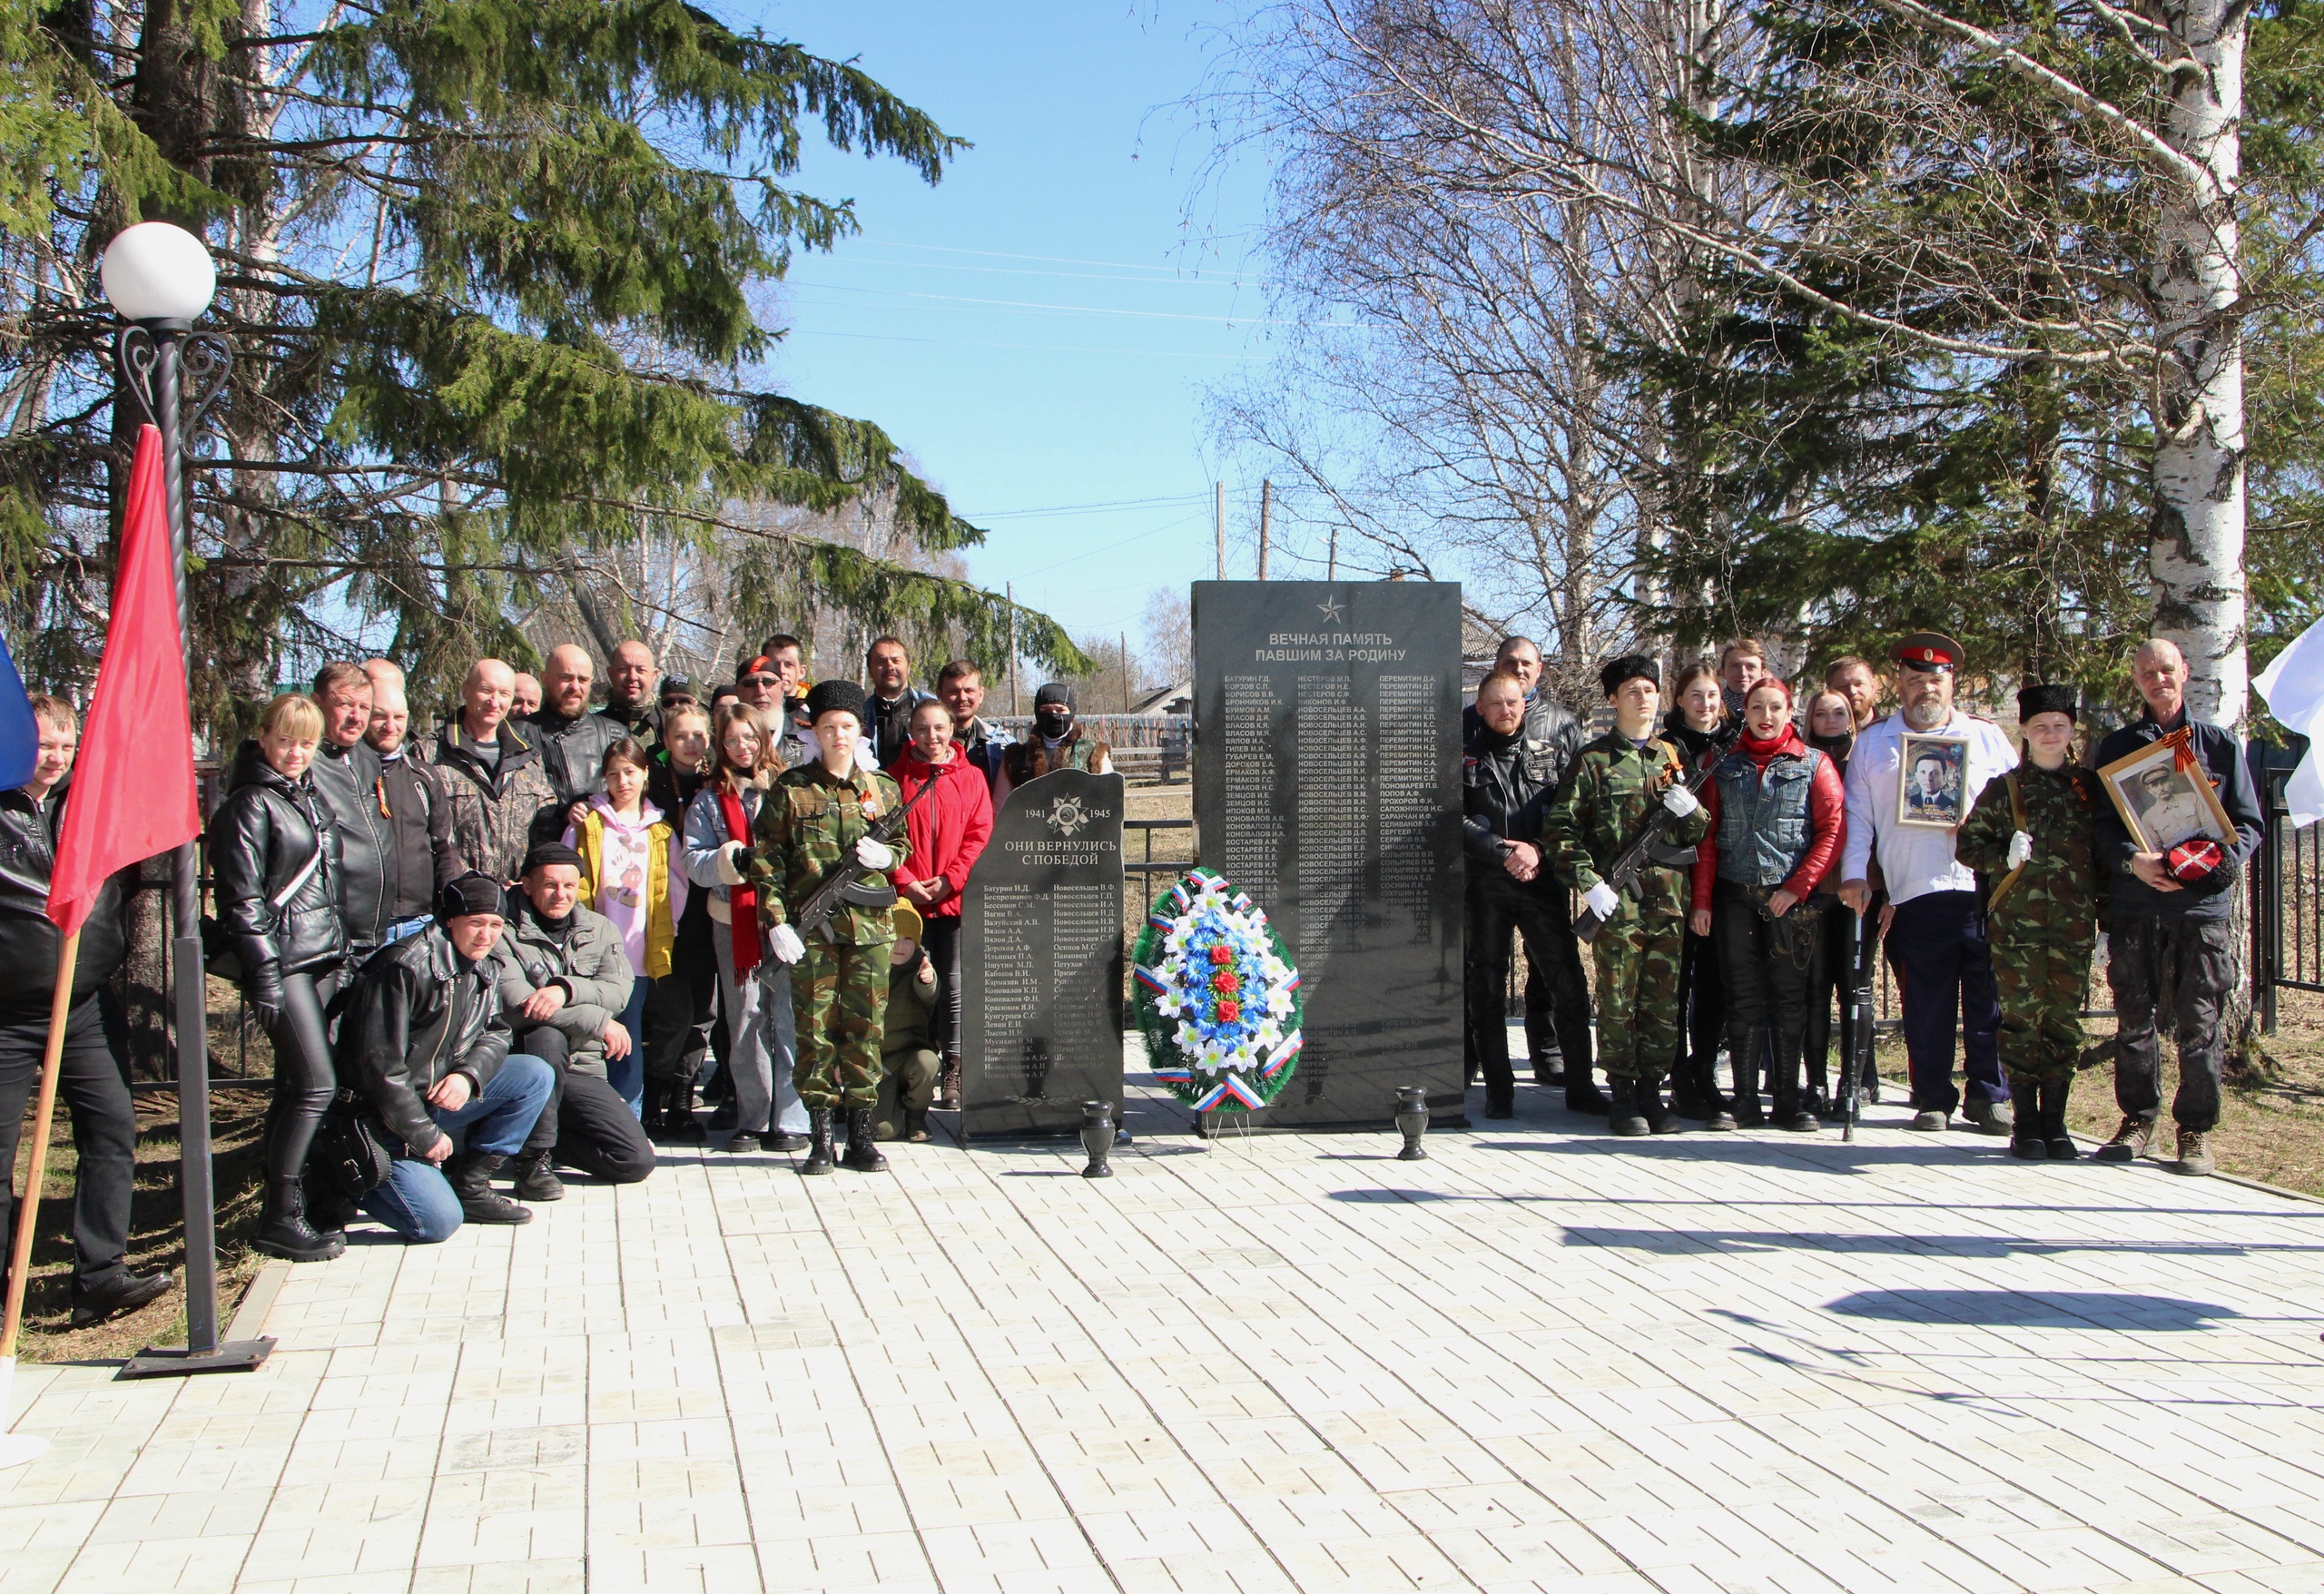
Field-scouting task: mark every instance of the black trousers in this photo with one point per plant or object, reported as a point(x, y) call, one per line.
point(586, 1125)
point(1766, 966)
point(1498, 905)
point(304, 1076)
point(942, 937)
point(679, 1007)
point(2159, 965)
point(1944, 984)
point(1702, 1006)
point(91, 1084)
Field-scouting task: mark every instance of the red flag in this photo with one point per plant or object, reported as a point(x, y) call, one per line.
point(133, 783)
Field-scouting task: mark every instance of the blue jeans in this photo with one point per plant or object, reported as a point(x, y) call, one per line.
point(626, 1074)
point(417, 1202)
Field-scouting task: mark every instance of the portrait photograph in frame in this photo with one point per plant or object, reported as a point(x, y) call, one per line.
point(1933, 781)
point(2161, 803)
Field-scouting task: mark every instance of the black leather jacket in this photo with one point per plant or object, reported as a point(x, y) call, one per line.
point(260, 839)
point(347, 781)
point(573, 751)
point(420, 1011)
point(1506, 785)
point(29, 943)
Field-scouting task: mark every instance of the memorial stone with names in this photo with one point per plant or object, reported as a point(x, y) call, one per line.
point(1041, 956)
point(1327, 786)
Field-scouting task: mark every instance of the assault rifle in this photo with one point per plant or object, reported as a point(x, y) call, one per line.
point(844, 883)
point(1632, 860)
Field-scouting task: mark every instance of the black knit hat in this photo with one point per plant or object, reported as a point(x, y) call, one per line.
point(549, 854)
point(473, 892)
point(834, 696)
point(2056, 698)
point(1055, 691)
point(1631, 667)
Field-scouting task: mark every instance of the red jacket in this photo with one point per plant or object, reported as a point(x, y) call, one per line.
point(1828, 822)
point(949, 829)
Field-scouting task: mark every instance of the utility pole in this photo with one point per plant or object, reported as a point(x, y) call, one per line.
point(1125, 638)
point(1332, 560)
point(1266, 508)
point(1222, 531)
point(1010, 589)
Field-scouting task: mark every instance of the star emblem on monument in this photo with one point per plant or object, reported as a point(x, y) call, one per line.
point(1331, 610)
point(1066, 816)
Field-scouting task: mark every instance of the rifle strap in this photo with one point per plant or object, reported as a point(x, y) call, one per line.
point(2017, 820)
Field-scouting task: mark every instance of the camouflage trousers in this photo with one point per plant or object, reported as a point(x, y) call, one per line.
point(1637, 960)
point(2042, 981)
point(839, 997)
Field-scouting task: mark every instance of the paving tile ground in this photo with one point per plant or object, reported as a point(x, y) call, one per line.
point(1540, 1359)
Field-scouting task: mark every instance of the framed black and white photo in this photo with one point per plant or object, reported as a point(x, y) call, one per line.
point(2162, 804)
point(1933, 783)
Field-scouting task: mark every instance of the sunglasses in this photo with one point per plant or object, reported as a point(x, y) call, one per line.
point(760, 681)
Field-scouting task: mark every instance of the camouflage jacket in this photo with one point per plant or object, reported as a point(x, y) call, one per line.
point(810, 820)
point(1608, 789)
point(500, 812)
point(2057, 895)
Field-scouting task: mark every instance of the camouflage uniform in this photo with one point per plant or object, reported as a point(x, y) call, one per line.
point(1608, 792)
point(2044, 928)
point(839, 990)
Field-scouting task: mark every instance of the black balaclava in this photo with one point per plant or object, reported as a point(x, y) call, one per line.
point(1053, 711)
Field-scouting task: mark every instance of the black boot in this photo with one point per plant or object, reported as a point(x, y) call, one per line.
point(1659, 1118)
point(1623, 1108)
point(819, 1146)
point(862, 1151)
point(470, 1175)
point(1582, 1095)
point(2056, 1137)
point(534, 1179)
point(682, 1125)
point(1744, 1048)
point(124, 1292)
point(653, 1120)
point(1687, 1096)
point(1793, 1111)
point(284, 1230)
point(1707, 1082)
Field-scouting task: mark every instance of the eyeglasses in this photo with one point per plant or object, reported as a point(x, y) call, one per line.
point(760, 681)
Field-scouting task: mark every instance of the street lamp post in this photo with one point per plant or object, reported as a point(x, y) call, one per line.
point(159, 279)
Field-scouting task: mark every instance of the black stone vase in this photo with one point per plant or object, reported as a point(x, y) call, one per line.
point(1097, 1139)
point(1412, 1120)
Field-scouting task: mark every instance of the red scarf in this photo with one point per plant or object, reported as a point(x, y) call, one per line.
point(1763, 753)
point(742, 901)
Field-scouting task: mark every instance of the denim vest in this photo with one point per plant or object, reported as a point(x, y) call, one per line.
point(1763, 820)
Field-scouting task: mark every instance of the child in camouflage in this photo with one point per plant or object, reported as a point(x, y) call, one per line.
point(2030, 837)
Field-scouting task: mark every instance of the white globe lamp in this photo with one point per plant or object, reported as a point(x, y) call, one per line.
point(155, 271)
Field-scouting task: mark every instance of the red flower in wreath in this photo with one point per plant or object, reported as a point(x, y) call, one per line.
point(1221, 955)
point(1229, 1011)
point(1224, 983)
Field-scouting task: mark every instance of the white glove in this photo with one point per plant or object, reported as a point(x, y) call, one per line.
point(1602, 899)
point(873, 853)
point(1680, 801)
point(784, 943)
point(730, 864)
point(2021, 848)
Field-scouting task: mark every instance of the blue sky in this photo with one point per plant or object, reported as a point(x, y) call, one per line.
point(1036, 329)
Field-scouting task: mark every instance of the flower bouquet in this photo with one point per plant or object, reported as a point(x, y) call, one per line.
point(1216, 996)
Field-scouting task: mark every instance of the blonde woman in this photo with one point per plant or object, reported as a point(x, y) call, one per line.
point(274, 854)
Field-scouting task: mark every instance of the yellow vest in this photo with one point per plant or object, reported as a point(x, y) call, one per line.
point(661, 932)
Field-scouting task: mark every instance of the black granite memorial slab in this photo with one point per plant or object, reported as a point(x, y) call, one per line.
point(1327, 786)
point(1041, 955)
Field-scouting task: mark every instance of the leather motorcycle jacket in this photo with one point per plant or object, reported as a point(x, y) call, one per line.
point(347, 780)
point(262, 839)
point(417, 1012)
point(29, 943)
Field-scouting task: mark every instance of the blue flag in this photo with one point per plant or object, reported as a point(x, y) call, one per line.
point(19, 735)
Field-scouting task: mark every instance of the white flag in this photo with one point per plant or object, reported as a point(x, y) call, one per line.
point(2293, 689)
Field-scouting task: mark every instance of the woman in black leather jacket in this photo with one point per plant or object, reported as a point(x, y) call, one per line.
point(275, 857)
point(1696, 725)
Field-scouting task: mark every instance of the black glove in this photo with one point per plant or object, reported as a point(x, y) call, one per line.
point(266, 993)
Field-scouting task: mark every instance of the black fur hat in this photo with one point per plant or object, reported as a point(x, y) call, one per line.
point(1631, 667)
point(2057, 698)
point(830, 697)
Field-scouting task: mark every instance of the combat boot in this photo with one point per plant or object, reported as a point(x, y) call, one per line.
point(1623, 1109)
point(1689, 1099)
point(284, 1230)
point(1582, 1095)
point(2051, 1119)
point(469, 1173)
point(2026, 1140)
point(1659, 1118)
point(1793, 1113)
point(2130, 1140)
point(1744, 1048)
point(863, 1150)
point(2195, 1152)
point(534, 1180)
point(818, 1143)
point(679, 1120)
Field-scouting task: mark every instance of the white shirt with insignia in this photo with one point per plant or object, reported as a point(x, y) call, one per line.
point(1914, 860)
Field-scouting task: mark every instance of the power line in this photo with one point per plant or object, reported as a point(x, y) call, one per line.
point(1053, 260)
point(1039, 348)
point(1083, 310)
point(1110, 506)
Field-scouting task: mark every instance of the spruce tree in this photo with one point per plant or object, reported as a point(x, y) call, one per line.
point(488, 269)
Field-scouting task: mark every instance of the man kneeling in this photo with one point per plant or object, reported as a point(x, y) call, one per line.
point(565, 976)
point(424, 1040)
